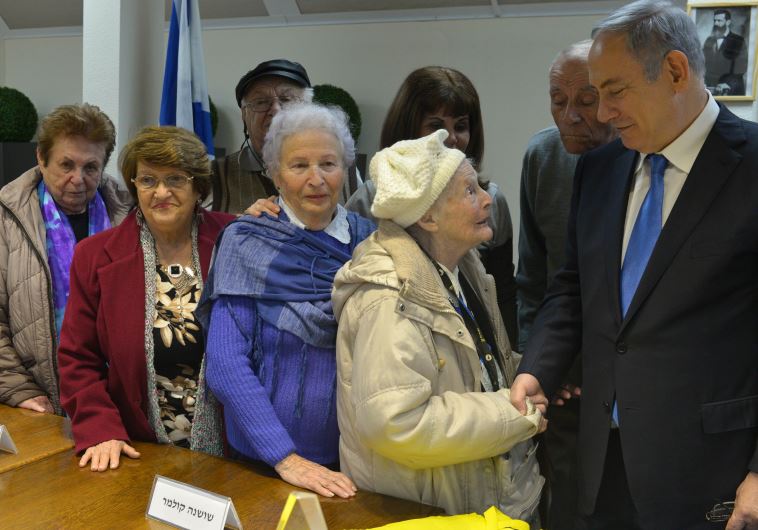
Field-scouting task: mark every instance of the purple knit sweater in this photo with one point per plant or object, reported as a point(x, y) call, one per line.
point(281, 404)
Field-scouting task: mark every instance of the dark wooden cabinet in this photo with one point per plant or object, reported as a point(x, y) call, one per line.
point(16, 158)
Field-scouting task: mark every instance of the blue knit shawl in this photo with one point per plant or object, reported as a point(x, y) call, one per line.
point(289, 271)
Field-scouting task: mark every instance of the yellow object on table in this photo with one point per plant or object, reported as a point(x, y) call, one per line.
point(493, 519)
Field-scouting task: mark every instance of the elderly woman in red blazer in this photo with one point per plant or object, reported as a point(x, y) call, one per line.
point(131, 351)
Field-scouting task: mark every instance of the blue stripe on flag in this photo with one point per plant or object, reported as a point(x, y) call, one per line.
point(168, 98)
point(184, 101)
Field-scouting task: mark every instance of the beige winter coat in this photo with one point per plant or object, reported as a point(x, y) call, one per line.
point(27, 324)
point(413, 421)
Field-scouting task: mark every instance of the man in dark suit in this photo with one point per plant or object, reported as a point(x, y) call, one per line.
point(546, 180)
point(659, 290)
point(725, 57)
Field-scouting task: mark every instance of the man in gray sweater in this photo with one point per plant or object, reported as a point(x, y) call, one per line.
point(546, 183)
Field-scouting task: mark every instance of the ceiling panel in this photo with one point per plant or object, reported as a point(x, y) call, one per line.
point(226, 8)
point(41, 13)
point(37, 15)
point(572, 4)
point(312, 7)
point(513, 2)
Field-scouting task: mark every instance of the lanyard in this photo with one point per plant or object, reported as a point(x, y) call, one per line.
point(487, 357)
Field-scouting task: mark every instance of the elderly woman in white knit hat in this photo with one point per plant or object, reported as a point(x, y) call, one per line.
point(423, 360)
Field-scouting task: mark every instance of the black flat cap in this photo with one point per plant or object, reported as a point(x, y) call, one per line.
point(276, 67)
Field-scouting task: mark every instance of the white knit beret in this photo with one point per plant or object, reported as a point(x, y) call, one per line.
point(410, 175)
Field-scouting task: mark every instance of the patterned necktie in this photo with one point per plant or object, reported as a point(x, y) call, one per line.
point(644, 235)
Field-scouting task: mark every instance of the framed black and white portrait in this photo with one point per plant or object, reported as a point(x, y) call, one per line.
point(727, 32)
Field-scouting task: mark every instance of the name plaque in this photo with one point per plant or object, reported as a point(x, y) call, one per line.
point(6, 442)
point(189, 507)
point(302, 510)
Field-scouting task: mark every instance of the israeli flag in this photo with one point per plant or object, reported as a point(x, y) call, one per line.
point(184, 102)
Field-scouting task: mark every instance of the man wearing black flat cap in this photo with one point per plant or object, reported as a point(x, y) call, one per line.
point(239, 179)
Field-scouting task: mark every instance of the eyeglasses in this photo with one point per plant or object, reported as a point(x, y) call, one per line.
point(149, 182)
point(263, 104)
point(720, 512)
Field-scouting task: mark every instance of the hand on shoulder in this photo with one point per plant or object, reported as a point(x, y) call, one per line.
point(262, 206)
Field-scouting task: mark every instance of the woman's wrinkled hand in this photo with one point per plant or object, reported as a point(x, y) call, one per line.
point(38, 404)
point(106, 455)
point(542, 427)
point(309, 475)
point(264, 206)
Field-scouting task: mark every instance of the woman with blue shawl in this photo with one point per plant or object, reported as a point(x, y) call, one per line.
point(271, 328)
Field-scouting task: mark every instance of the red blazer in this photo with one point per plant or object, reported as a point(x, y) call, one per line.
point(101, 357)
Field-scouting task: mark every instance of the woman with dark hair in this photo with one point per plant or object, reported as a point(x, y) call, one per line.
point(437, 97)
point(432, 98)
point(134, 371)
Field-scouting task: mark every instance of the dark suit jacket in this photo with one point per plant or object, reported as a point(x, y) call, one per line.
point(683, 363)
point(101, 357)
point(726, 64)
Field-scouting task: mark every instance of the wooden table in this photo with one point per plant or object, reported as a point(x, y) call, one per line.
point(36, 436)
point(56, 493)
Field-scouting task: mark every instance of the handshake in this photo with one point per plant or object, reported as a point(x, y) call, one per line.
point(526, 391)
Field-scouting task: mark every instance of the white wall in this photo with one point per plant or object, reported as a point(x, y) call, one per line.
point(48, 70)
point(507, 59)
point(123, 50)
point(2, 61)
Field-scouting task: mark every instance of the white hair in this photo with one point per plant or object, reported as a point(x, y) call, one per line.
point(303, 117)
point(652, 30)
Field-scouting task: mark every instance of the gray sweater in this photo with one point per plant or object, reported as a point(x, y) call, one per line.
point(547, 177)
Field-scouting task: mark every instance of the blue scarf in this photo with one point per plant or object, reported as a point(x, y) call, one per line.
point(289, 271)
point(60, 241)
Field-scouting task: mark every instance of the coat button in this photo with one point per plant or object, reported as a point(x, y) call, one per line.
point(607, 407)
point(402, 307)
point(459, 333)
point(488, 357)
point(441, 364)
point(621, 348)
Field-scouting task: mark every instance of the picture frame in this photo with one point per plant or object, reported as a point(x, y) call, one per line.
point(728, 35)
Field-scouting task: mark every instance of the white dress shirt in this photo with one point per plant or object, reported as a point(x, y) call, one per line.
point(453, 275)
point(681, 155)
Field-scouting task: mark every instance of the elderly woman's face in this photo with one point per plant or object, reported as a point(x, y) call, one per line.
point(464, 213)
point(169, 204)
point(73, 171)
point(310, 176)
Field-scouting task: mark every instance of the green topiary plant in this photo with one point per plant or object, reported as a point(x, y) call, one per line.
point(332, 95)
point(214, 117)
point(18, 117)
